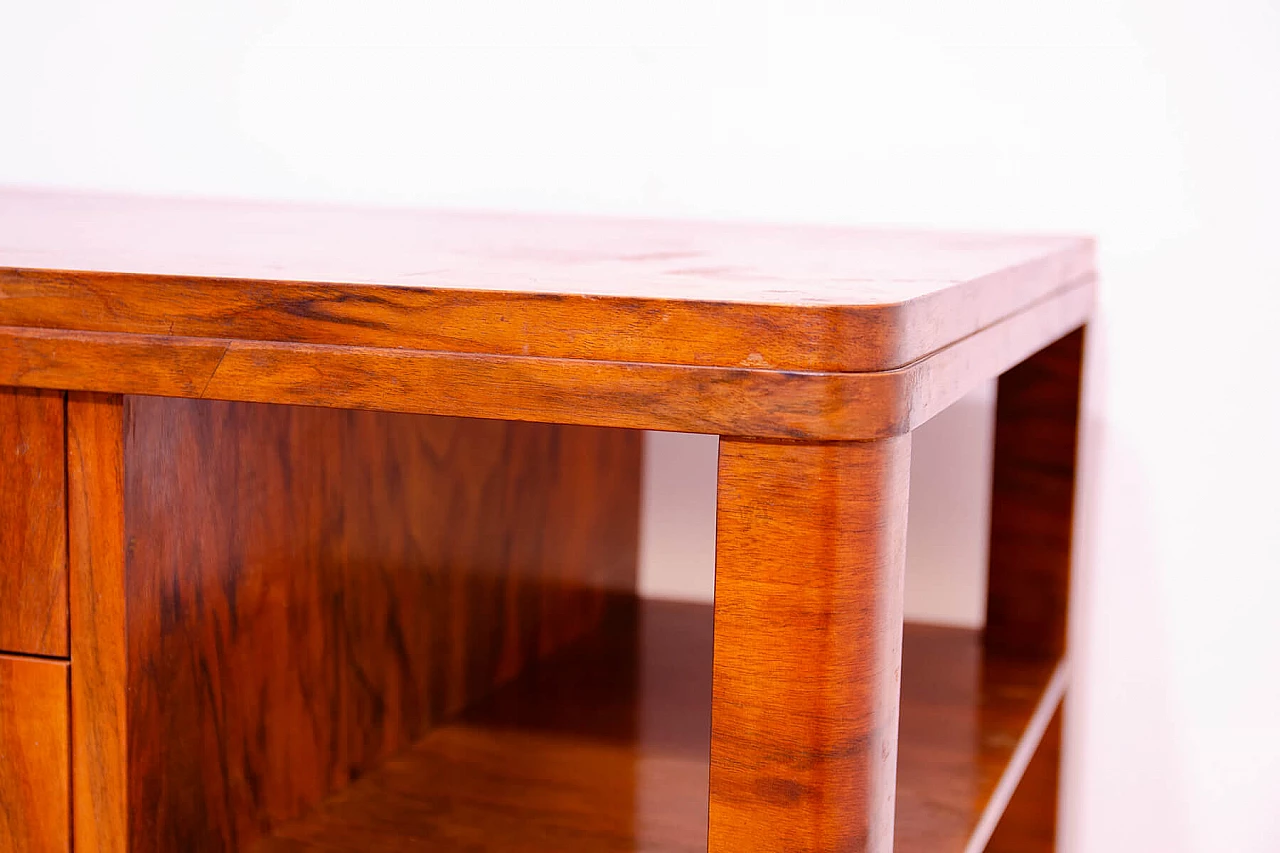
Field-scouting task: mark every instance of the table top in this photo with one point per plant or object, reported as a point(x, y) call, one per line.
point(632, 290)
point(800, 332)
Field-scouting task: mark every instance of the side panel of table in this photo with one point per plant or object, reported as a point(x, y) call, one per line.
point(33, 517)
point(34, 764)
point(269, 601)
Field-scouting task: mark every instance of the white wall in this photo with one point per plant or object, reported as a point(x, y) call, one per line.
point(1152, 124)
point(947, 532)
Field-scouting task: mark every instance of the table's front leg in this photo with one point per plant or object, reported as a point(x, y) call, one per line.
point(810, 550)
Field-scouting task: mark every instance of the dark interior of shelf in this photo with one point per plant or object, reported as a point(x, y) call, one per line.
point(605, 747)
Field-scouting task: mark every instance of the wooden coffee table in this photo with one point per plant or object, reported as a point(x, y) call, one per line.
point(319, 531)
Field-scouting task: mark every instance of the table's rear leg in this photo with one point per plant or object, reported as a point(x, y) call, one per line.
point(1037, 418)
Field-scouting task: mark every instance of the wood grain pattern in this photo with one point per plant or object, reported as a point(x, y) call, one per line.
point(268, 601)
point(1029, 823)
point(737, 401)
point(1033, 492)
point(965, 714)
point(34, 763)
point(33, 523)
point(712, 294)
point(171, 367)
point(810, 548)
point(602, 748)
point(309, 590)
point(95, 504)
point(605, 747)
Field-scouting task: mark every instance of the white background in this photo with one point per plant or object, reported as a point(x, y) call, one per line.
point(1155, 125)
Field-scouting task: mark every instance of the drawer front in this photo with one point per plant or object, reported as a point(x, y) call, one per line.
point(35, 780)
point(33, 523)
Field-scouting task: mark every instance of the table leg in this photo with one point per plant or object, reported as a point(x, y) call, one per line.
point(810, 550)
point(1033, 492)
point(1029, 580)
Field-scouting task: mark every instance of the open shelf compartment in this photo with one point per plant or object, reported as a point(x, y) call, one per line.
point(605, 747)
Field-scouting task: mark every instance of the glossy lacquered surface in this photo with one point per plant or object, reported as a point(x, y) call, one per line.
point(35, 792)
point(734, 329)
point(1030, 821)
point(316, 506)
point(971, 719)
point(307, 591)
point(99, 677)
point(1032, 500)
point(33, 523)
point(751, 401)
point(810, 552)
point(715, 294)
point(606, 748)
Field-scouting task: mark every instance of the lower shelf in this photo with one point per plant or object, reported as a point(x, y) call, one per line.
point(605, 747)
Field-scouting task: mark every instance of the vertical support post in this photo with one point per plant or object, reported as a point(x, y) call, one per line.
point(810, 550)
point(1033, 489)
point(1029, 576)
point(95, 504)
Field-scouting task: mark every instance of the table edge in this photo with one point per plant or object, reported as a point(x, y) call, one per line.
point(695, 332)
point(765, 403)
